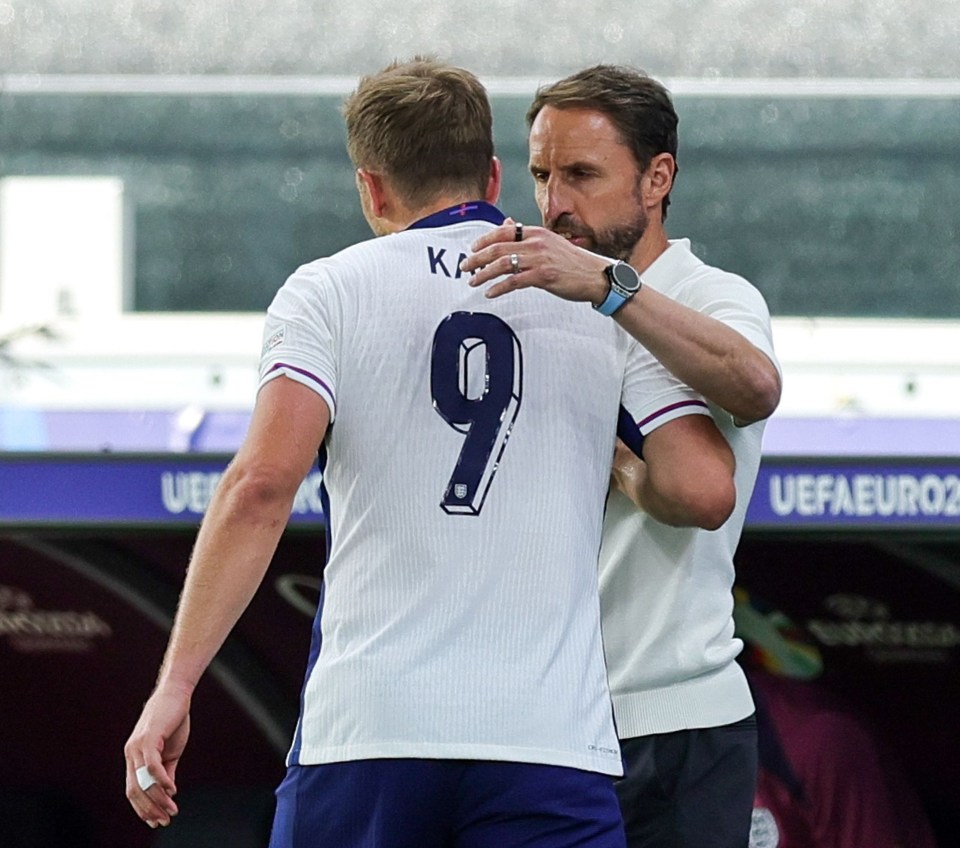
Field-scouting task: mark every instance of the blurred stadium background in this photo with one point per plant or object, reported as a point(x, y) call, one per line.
point(164, 167)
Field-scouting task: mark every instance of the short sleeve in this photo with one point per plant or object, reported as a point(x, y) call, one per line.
point(300, 335)
point(652, 396)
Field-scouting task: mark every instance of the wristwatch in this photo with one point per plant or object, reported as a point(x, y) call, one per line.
point(624, 284)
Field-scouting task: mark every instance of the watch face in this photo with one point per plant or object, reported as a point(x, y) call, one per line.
point(625, 277)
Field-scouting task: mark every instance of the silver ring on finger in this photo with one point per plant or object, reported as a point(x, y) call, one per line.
point(514, 263)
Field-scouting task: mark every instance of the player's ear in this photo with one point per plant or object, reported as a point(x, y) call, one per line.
point(370, 186)
point(493, 183)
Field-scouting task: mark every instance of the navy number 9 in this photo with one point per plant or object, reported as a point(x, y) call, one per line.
point(476, 379)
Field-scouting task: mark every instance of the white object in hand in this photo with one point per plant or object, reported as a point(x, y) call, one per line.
point(144, 778)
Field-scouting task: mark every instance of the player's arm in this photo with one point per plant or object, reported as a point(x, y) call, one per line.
point(706, 354)
point(236, 542)
point(685, 478)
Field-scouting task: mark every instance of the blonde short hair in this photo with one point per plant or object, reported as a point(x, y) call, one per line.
point(425, 125)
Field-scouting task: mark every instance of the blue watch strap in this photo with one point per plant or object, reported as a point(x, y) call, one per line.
point(624, 283)
point(612, 302)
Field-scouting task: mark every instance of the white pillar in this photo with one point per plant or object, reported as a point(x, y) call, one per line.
point(63, 249)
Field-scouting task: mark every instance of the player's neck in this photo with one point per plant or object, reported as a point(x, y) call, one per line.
point(397, 217)
point(400, 217)
point(441, 203)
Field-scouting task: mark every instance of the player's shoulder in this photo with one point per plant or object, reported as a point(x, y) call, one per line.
point(361, 263)
point(327, 270)
point(373, 249)
point(400, 246)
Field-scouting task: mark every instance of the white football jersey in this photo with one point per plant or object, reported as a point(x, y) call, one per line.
point(465, 471)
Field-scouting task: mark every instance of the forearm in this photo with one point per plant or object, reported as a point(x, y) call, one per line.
point(710, 357)
point(664, 507)
point(687, 509)
point(689, 480)
point(234, 547)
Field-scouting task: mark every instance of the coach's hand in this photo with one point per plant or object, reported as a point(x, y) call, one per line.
point(539, 258)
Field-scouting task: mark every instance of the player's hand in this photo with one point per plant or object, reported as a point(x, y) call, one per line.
point(628, 473)
point(543, 259)
point(152, 753)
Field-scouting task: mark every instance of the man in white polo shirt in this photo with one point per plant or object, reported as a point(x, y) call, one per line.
point(603, 145)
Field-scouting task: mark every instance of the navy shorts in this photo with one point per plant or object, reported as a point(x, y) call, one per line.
point(691, 788)
point(413, 803)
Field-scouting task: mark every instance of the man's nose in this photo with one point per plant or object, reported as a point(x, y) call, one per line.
point(553, 202)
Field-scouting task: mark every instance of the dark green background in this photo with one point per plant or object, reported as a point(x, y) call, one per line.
point(831, 206)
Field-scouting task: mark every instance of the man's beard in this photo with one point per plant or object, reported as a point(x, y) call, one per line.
point(619, 242)
point(616, 242)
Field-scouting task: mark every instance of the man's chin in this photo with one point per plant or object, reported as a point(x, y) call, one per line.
point(620, 250)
